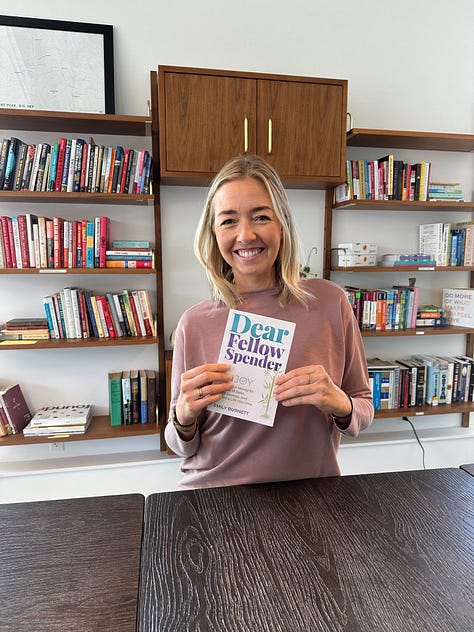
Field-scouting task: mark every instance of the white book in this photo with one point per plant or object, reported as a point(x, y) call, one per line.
point(62, 415)
point(431, 241)
point(257, 349)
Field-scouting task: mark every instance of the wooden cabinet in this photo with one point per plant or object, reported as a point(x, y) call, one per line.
point(208, 116)
point(66, 203)
point(415, 141)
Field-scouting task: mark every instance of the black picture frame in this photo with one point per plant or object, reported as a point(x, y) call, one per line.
point(99, 57)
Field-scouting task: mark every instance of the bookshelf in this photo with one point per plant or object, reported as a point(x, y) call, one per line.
point(145, 129)
point(408, 140)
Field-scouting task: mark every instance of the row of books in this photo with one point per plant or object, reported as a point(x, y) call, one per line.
point(132, 397)
point(73, 165)
point(387, 309)
point(448, 244)
point(31, 241)
point(421, 379)
point(384, 179)
point(77, 313)
point(55, 421)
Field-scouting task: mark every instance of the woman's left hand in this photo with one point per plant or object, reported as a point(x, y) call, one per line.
point(312, 385)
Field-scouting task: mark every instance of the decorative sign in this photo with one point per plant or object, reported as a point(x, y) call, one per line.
point(56, 66)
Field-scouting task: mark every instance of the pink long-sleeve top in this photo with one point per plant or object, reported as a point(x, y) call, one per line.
point(303, 441)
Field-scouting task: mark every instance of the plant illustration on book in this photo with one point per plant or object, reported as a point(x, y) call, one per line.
point(267, 393)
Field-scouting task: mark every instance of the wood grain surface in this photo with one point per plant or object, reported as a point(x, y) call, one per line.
point(70, 565)
point(383, 552)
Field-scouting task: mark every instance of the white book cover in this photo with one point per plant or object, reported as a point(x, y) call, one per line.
point(458, 305)
point(74, 414)
point(257, 348)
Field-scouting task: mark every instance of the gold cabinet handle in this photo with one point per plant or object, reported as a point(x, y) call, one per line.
point(270, 136)
point(246, 135)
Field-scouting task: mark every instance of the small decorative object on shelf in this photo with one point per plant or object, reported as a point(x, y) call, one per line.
point(305, 270)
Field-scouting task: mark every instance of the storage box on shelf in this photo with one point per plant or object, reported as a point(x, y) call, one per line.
point(107, 125)
point(415, 141)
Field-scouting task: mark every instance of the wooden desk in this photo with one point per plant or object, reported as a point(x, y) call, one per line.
point(469, 468)
point(383, 552)
point(70, 565)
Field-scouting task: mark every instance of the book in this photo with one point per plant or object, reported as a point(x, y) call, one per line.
point(151, 395)
point(143, 396)
point(115, 398)
point(56, 430)
point(458, 306)
point(15, 408)
point(257, 349)
point(126, 398)
point(62, 415)
point(135, 393)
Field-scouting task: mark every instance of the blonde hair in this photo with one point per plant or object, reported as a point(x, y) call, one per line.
point(287, 264)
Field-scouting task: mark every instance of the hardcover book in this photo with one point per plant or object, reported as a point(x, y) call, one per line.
point(15, 408)
point(257, 348)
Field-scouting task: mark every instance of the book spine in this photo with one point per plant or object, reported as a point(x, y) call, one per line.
point(115, 399)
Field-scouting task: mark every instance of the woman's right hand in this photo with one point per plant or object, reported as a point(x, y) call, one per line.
point(201, 386)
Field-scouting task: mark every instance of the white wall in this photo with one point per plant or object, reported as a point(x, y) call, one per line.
point(409, 66)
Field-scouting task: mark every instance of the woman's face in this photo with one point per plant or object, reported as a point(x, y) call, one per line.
point(248, 233)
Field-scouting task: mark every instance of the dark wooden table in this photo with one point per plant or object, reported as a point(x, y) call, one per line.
point(469, 468)
point(382, 552)
point(70, 565)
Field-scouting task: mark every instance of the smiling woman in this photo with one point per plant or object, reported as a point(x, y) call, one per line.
point(246, 241)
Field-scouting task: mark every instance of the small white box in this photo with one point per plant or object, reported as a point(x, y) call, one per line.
point(359, 248)
point(348, 260)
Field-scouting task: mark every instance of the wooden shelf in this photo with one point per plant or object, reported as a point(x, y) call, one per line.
point(78, 271)
point(420, 268)
point(429, 141)
point(421, 411)
point(45, 121)
point(447, 330)
point(9, 345)
point(75, 198)
point(99, 428)
point(403, 205)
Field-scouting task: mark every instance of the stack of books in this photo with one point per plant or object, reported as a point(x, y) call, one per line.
point(52, 421)
point(25, 329)
point(445, 192)
point(130, 254)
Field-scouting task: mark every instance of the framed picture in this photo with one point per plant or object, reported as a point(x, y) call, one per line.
point(55, 65)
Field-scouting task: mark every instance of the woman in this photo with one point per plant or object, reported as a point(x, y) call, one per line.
point(246, 241)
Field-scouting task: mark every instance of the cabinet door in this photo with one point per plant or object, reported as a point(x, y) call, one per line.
point(307, 136)
point(205, 119)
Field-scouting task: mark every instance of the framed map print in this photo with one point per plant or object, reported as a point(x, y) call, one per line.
point(56, 65)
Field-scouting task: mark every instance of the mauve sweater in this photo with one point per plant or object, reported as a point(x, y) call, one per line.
point(303, 442)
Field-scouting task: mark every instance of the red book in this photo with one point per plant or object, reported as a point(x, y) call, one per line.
point(58, 243)
point(12, 242)
point(6, 240)
point(15, 408)
point(60, 165)
point(124, 170)
point(84, 242)
point(107, 316)
point(103, 239)
point(24, 246)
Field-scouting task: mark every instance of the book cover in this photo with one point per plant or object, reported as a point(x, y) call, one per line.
point(55, 431)
point(143, 396)
point(115, 398)
point(151, 395)
point(458, 305)
point(62, 415)
point(15, 407)
point(126, 398)
point(257, 348)
point(135, 393)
